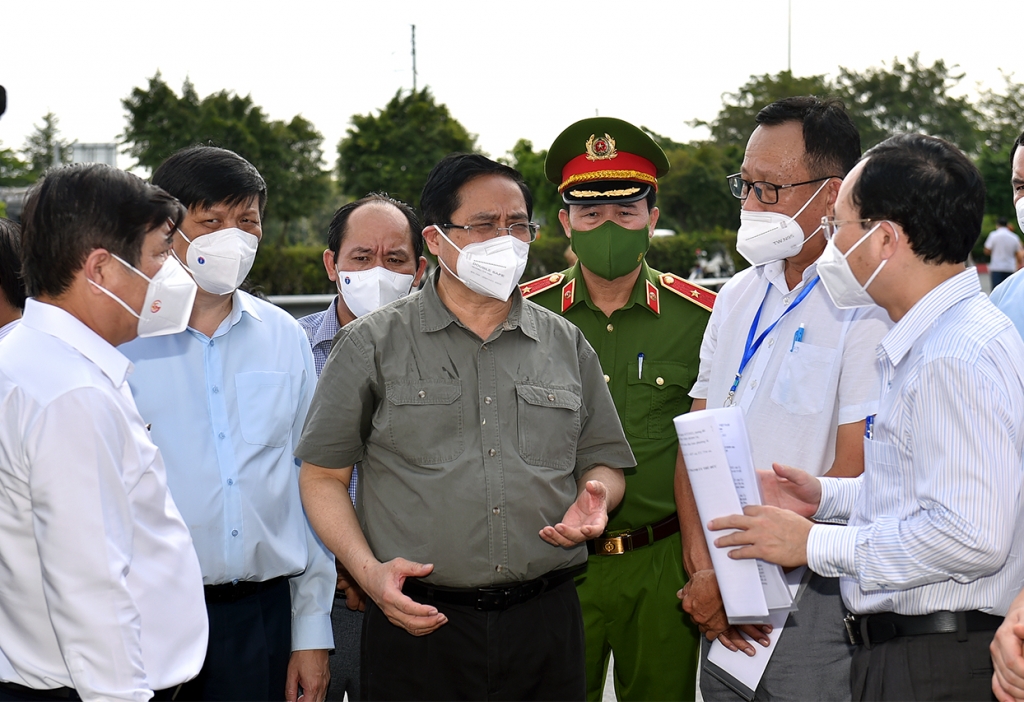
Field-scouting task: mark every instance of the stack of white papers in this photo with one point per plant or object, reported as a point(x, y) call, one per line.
point(716, 449)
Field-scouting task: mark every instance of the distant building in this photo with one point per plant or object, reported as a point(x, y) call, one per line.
point(94, 153)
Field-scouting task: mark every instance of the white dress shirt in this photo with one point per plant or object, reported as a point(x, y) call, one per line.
point(936, 521)
point(8, 328)
point(793, 394)
point(100, 587)
point(227, 412)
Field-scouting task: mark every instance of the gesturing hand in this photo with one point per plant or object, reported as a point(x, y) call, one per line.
point(585, 518)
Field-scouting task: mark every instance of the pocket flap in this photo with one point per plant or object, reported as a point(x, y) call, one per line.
point(548, 397)
point(661, 374)
point(424, 392)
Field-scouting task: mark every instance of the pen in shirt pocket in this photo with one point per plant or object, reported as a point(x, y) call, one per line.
point(869, 427)
point(798, 335)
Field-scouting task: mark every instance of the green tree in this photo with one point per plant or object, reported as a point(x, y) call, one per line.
point(694, 195)
point(287, 154)
point(1000, 126)
point(44, 146)
point(394, 150)
point(546, 200)
point(14, 171)
point(735, 121)
point(909, 97)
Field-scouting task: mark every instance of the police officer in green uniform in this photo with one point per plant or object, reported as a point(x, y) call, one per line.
point(647, 328)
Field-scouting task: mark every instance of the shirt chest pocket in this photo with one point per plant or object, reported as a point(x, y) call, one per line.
point(425, 420)
point(802, 384)
point(654, 397)
point(265, 407)
point(549, 425)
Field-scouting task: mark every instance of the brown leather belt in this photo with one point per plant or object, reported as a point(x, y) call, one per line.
point(632, 540)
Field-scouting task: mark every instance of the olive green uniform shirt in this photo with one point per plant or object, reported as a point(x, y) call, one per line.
point(667, 329)
point(467, 448)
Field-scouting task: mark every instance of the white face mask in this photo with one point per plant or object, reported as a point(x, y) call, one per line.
point(491, 268)
point(838, 278)
point(764, 237)
point(365, 291)
point(220, 260)
point(169, 297)
point(1020, 213)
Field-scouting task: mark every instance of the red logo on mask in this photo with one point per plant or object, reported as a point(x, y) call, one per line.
point(155, 307)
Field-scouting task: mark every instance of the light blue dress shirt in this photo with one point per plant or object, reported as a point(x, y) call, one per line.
point(227, 413)
point(321, 328)
point(936, 521)
point(1009, 298)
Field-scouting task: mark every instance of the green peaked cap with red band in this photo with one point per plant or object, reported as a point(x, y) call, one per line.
point(604, 160)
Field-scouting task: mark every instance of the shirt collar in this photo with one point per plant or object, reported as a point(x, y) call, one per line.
point(61, 324)
point(925, 311)
point(328, 327)
point(434, 316)
point(638, 296)
point(240, 302)
point(775, 273)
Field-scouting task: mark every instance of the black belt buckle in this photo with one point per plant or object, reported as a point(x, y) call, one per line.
point(491, 598)
point(853, 630)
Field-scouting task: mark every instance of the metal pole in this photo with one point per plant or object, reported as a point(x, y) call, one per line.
point(413, 57)
point(789, 40)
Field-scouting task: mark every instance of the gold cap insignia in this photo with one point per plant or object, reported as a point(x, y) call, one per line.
point(601, 148)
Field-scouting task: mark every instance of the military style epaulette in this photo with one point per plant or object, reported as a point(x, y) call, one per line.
point(699, 296)
point(540, 285)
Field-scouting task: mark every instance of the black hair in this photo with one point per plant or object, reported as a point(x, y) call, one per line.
point(204, 176)
point(76, 209)
point(440, 196)
point(928, 187)
point(1002, 221)
point(831, 139)
point(1013, 149)
point(10, 263)
point(339, 223)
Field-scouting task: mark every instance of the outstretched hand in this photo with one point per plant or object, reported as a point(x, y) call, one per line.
point(791, 488)
point(585, 519)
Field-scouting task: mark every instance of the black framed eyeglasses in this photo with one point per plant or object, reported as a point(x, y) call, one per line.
point(767, 193)
point(524, 231)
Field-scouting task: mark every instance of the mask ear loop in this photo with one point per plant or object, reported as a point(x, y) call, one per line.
point(441, 260)
point(806, 204)
point(114, 297)
point(882, 264)
point(175, 253)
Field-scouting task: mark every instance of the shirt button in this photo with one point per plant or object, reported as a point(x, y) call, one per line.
point(497, 569)
point(785, 300)
point(221, 435)
point(753, 383)
point(771, 342)
point(496, 510)
point(215, 390)
point(487, 400)
point(234, 532)
point(607, 378)
point(211, 342)
point(660, 381)
point(610, 328)
point(551, 398)
point(492, 452)
point(230, 481)
point(422, 393)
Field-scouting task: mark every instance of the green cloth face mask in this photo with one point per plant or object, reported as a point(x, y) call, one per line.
point(611, 251)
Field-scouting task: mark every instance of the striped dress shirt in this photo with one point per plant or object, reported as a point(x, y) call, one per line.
point(321, 328)
point(935, 522)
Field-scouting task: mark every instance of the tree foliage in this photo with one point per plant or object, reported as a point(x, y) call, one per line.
point(909, 97)
point(14, 171)
point(44, 147)
point(288, 154)
point(394, 150)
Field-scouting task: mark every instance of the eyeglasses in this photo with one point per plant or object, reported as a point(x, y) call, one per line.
point(830, 225)
point(524, 231)
point(766, 192)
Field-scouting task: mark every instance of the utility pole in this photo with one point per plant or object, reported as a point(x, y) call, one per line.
point(413, 57)
point(789, 38)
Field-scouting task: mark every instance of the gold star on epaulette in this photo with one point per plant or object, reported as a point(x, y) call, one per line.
point(540, 284)
point(699, 296)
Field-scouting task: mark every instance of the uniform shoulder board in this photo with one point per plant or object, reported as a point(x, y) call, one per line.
point(540, 285)
point(702, 297)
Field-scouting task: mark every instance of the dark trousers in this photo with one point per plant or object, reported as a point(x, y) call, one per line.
point(250, 645)
point(344, 662)
point(998, 277)
point(530, 651)
point(932, 667)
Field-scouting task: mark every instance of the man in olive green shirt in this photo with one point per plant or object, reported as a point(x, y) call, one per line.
point(646, 328)
point(479, 421)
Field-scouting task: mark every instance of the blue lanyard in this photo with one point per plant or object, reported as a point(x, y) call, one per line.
point(752, 346)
